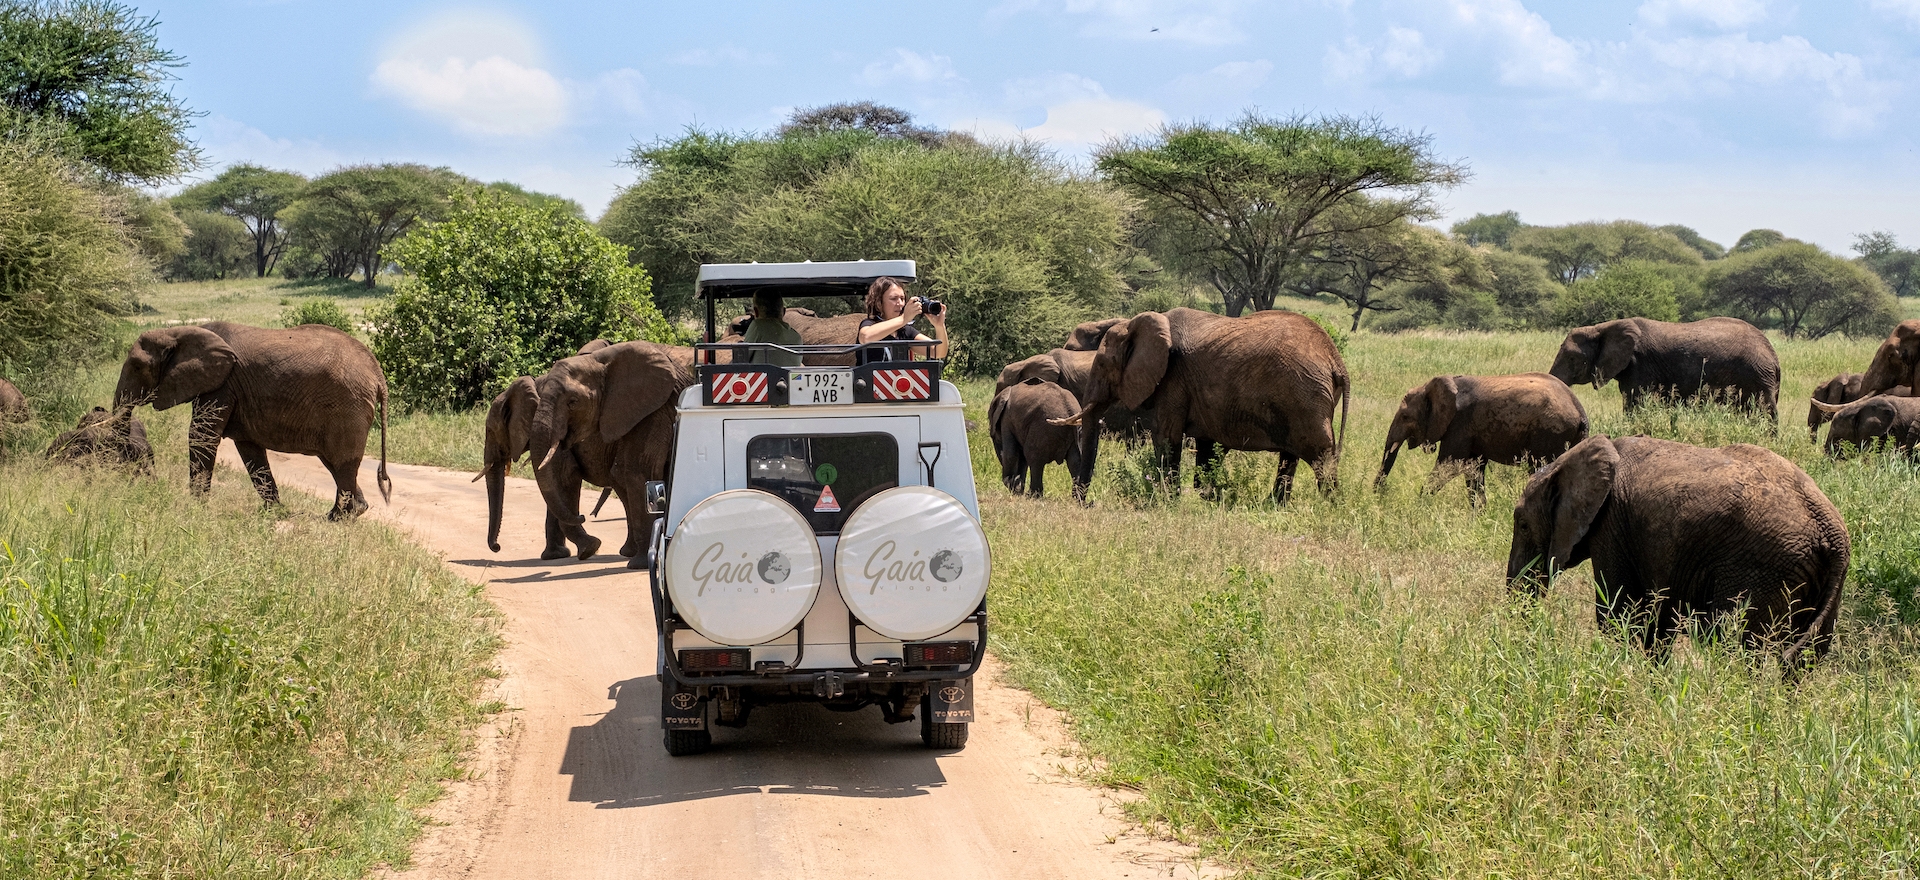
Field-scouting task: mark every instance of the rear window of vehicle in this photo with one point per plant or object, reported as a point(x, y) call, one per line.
point(824, 476)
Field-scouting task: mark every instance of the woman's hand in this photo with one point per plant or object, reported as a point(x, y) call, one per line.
point(940, 320)
point(912, 309)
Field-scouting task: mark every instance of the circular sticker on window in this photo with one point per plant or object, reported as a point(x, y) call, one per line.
point(743, 567)
point(912, 562)
point(826, 473)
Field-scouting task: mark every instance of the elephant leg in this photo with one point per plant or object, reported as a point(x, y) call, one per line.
point(556, 540)
point(348, 501)
point(204, 430)
point(570, 482)
point(1206, 463)
point(1011, 466)
point(1477, 483)
point(639, 521)
point(1283, 477)
point(1036, 477)
point(1073, 468)
point(254, 456)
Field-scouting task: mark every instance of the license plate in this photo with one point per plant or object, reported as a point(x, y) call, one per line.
point(814, 387)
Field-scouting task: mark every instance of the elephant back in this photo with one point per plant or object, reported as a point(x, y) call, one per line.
point(302, 389)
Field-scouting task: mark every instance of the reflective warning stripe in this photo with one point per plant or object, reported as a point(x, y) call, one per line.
point(740, 388)
point(901, 385)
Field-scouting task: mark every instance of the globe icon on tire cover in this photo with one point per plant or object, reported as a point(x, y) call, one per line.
point(774, 567)
point(945, 566)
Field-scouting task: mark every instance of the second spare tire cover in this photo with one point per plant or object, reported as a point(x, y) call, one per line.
point(743, 567)
point(912, 562)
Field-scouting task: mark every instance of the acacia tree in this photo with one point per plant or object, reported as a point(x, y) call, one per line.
point(356, 212)
point(1812, 293)
point(255, 196)
point(1241, 207)
point(1490, 229)
point(1366, 263)
point(1580, 250)
point(1897, 266)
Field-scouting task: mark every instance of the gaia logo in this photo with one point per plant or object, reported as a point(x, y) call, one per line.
point(945, 565)
point(773, 568)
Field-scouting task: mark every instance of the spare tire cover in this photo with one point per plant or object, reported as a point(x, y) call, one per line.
point(743, 567)
point(912, 563)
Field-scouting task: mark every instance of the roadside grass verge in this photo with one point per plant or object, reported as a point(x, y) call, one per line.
point(1342, 688)
point(198, 688)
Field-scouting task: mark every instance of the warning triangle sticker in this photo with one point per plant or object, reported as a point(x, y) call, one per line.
point(827, 504)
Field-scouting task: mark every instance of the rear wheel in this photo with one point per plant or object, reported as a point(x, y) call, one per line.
point(940, 735)
point(681, 743)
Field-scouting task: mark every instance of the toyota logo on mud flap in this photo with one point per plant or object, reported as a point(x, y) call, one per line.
point(952, 693)
point(683, 702)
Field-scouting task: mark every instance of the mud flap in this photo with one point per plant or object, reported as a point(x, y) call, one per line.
point(682, 709)
point(951, 702)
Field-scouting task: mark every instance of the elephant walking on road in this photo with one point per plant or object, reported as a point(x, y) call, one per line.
point(1479, 419)
point(306, 390)
point(1655, 360)
point(1267, 382)
point(509, 435)
point(1676, 530)
point(1021, 422)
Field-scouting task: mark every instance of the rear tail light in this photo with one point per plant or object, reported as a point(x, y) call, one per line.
point(710, 660)
point(939, 654)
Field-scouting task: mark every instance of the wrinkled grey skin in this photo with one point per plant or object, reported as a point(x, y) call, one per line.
point(1654, 360)
point(1676, 530)
point(1024, 439)
point(106, 437)
point(1880, 420)
point(607, 417)
point(509, 433)
point(1073, 370)
point(1840, 391)
point(813, 330)
point(306, 390)
point(1266, 382)
point(1895, 362)
point(1474, 420)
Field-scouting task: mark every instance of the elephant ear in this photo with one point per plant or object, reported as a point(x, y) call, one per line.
point(1443, 403)
point(510, 422)
point(641, 378)
point(1582, 480)
point(1149, 339)
point(1617, 345)
point(197, 362)
point(995, 412)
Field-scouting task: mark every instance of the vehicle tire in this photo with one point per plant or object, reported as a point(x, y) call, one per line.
point(681, 743)
point(935, 735)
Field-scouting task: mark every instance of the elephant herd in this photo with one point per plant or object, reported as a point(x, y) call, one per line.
point(1673, 530)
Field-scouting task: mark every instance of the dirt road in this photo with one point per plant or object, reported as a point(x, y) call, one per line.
point(572, 780)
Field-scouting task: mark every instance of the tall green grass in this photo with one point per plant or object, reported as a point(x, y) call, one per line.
point(1342, 688)
point(197, 688)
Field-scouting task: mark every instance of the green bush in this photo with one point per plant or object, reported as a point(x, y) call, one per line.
point(502, 289)
point(320, 310)
point(1628, 289)
point(217, 246)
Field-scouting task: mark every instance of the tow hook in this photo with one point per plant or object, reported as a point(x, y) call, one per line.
point(829, 685)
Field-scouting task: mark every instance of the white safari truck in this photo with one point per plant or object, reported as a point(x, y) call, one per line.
point(820, 539)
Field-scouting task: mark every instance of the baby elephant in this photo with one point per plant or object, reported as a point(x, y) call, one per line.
point(1675, 530)
point(1480, 419)
point(1865, 424)
point(1839, 391)
point(1025, 441)
point(107, 438)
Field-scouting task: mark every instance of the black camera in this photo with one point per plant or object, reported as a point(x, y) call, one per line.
point(931, 306)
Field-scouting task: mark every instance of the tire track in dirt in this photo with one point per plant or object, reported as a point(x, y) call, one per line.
point(572, 781)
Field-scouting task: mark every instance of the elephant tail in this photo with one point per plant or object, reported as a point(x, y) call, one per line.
point(380, 476)
point(1820, 632)
point(1346, 398)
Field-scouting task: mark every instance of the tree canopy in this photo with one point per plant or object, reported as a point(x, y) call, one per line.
point(1241, 207)
point(256, 197)
point(90, 75)
point(1899, 267)
point(1490, 229)
point(1581, 250)
point(1808, 292)
point(345, 219)
point(1755, 239)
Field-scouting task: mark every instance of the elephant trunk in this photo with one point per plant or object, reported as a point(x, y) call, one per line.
point(496, 475)
point(1386, 462)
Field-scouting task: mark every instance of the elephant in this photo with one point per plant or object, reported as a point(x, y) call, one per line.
point(813, 330)
point(1864, 424)
point(307, 390)
point(1479, 419)
point(1656, 359)
point(1840, 390)
point(1070, 368)
point(1265, 382)
point(508, 432)
point(1676, 530)
point(108, 437)
point(606, 417)
point(13, 404)
point(1895, 362)
point(1087, 336)
point(1025, 438)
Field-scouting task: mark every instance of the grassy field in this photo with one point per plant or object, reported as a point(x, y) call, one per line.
point(196, 688)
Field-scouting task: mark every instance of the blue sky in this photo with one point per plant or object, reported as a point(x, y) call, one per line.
point(1721, 114)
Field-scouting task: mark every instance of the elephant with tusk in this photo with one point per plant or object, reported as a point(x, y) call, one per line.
point(509, 431)
point(1882, 419)
point(1474, 420)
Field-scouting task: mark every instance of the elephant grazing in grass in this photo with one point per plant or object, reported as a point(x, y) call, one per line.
point(1267, 382)
point(1676, 530)
point(106, 437)
point(1655, 360)
point(1479, 419)
point(1883, 419)
point(306, 390)
point(1837, 392)
point(1025, 438)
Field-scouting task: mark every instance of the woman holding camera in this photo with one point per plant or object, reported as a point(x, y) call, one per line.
point(890, 314)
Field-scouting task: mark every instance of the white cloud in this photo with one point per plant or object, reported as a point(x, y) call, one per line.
point(227, 141)
point(1907, 9)
point(1719, 66)
point(489, 96)
point(1401, 52)
point(906, 65)
point(1079, 112)
point(1052, 88)
point(1533, 54)
point(1720, 13)
point(1231, 79)
point(1205, 22)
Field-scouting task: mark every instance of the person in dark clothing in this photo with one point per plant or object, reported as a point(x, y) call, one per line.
point(890, 314)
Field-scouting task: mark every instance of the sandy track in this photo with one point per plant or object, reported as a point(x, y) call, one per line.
point(572, 781)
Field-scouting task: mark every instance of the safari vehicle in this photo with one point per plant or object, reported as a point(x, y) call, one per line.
point(820, 538)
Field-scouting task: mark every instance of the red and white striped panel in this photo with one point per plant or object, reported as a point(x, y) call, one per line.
point(739, 388)
point(902, 385)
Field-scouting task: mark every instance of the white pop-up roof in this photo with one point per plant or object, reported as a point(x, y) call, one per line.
point(728, 279)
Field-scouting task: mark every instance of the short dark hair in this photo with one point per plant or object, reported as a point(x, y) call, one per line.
point(772, 300)
point(878, 290)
